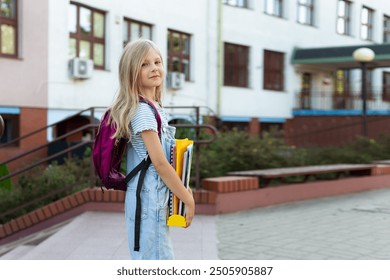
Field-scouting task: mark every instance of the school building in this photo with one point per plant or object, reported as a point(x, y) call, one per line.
point(250, 64)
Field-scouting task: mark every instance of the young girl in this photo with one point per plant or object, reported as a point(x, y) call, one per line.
point(141, 75)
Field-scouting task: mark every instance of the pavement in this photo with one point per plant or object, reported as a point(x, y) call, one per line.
point(348, 227)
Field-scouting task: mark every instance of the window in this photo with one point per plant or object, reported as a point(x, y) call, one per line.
point(342, 93)
point(305, 11)
point(236, 65)
point(344, 17)
point(179, 53)
point(386, 86)
point(236, 3)
point(343, 81)
point(8, 28)
point(273, 70)
point(386, 29)
point(87, 34)
point(133, 30)
point(366, 23)
point(274, 7)
point(306, 81)
point(369, 85)
point(11, 128)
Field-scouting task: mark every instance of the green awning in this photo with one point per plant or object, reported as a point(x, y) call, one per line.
point(340, 57)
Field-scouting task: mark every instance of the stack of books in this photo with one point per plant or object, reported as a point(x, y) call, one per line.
point(181, 158)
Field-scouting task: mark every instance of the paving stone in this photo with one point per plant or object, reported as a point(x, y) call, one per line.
point(327, 228)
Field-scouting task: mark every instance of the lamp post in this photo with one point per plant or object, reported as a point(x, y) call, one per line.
point(364, 55)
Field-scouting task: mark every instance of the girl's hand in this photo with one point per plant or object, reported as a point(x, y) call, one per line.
point(190, 209)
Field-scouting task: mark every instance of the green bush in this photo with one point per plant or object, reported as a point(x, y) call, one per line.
point(361, 150)
point(44, 181)
point(236, 151)
point(5, 184)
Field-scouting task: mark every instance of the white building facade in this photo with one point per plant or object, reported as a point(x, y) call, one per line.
point(236, 56)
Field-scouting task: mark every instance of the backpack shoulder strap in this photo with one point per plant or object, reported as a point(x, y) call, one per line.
point(157, 115)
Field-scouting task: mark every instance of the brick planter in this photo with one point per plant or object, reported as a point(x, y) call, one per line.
point(230, 184)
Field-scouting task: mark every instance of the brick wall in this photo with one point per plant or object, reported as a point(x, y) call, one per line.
point(31, 119)
point(332, 130)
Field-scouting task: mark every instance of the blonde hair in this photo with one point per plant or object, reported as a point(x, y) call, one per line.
point(130, 88)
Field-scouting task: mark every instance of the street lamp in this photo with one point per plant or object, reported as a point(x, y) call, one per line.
point(364, 55)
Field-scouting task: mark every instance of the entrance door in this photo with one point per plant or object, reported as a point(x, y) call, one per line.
point(305, 99)
point(386, 87)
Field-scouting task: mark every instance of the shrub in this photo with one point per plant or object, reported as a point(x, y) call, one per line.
point(236, 151)
point(5, 184)
point(44, 181)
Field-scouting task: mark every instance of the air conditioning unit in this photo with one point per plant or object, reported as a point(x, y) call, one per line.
point(175, 80)
point(80, 68)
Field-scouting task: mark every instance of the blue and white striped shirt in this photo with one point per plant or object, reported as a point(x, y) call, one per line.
point(144, 119)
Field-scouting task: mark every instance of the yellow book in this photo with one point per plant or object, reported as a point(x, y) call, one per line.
point(175, 219)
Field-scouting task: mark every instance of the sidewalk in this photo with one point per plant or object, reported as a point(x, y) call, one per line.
point(355, 226)
point(102, 236)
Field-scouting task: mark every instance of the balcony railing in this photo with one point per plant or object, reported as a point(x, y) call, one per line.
point(351, 100)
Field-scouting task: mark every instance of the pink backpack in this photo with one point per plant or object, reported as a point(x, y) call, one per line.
point(107, 153)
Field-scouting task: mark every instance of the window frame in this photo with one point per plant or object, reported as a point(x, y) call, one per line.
point(369, 24)
point(280, 11)
point(14, 23)
point(270, 71)
point(236, 66)
point(386, 29)
point(346, 18)
point(385, 86)
point(244, 5)
point(309, 12)
point(129, 21)
point(181, 55)
point(13, 128)
point(78, 36)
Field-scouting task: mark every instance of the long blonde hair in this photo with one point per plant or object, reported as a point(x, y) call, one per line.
point(130, 88)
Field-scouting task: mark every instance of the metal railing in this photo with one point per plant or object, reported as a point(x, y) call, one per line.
point(332, 100)
point(90, 110)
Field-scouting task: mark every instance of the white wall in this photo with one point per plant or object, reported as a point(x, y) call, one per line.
point(23, 80)
point(253, 28)
point(65, 93)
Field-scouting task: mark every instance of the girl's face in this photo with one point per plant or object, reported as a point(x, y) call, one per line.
point(152, 70)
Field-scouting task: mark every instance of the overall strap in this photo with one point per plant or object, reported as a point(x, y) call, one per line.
point(143, 167)
point(144, 164)
point(137, 226)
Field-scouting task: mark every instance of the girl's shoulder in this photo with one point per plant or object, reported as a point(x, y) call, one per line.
point(146, 110)
point(146, 114)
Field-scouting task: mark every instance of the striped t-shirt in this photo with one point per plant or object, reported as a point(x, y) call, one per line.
point(144, 119)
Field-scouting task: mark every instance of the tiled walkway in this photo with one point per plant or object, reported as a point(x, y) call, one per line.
point(102, 235)
point(355, 226)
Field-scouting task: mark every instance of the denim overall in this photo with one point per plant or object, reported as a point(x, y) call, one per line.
point(154, 240)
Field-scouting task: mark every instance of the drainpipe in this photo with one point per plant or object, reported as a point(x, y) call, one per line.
point(219, 58)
